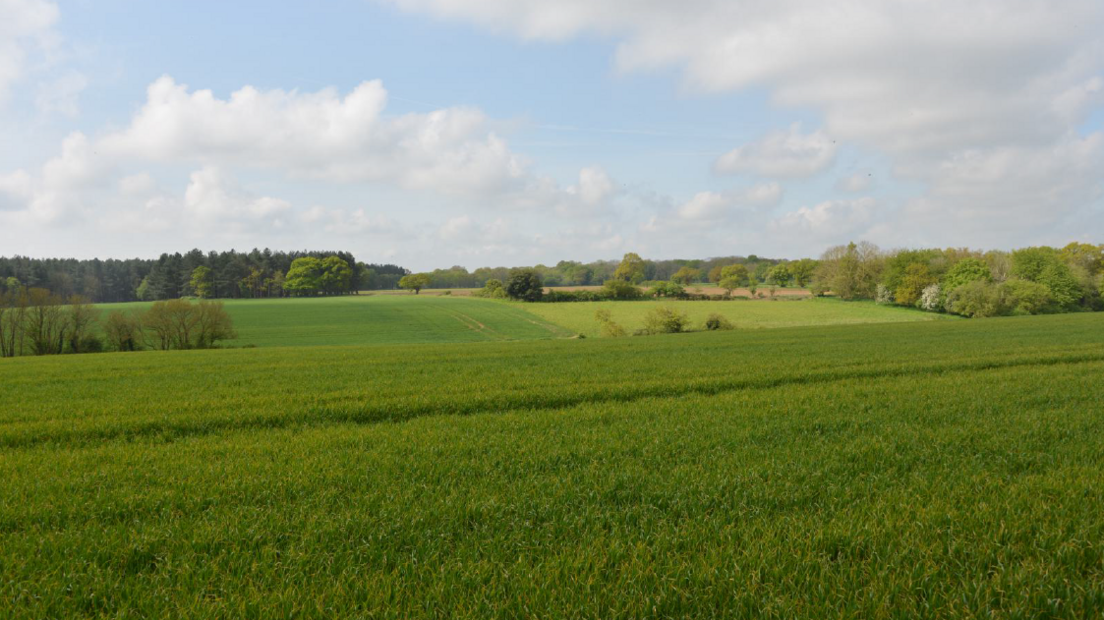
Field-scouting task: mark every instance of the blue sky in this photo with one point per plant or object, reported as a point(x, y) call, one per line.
point(523, 132)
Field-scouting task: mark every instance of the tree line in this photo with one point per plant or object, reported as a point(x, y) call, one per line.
point(966, 282)
point(222, 275)
point(35, 321)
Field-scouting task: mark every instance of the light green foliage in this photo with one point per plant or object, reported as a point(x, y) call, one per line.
point(666, 289)
point(631, 269)
point(965, 271)
point(200, 282)
point(665, 320)
point(578, 317)
point(304, 276)
point(938, 470)
point(336, 275)
point(803, 270)
point(493, 289)
point(686, 276)
point(780, 275)
point(716, 322)
point(1026, 297)
point(144, 292)
point(415, 282)
point(850, 271)
point(979, 299)
point(610, 329)
point(735, 273)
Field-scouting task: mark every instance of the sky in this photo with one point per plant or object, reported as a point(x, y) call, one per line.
point(433, 133)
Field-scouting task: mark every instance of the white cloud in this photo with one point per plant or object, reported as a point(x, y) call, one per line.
point(348, 221)
point(714, 206)
point(958, 95)
point(854, 183)
point(61, 94)
point(322, 135)
point(594, 188)
point(214, 197)
point(786, 154)
point(23, 24)
point(832, 219)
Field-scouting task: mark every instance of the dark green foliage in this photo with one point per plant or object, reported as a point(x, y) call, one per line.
point(621, 290)
point(525, 285)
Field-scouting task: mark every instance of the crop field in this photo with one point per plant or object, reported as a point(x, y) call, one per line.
point(376, 319)
point(937, 469)
point(760, 313)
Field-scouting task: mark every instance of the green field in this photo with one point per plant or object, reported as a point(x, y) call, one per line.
point(579, 316)
point(415, 319)
point(376, 319)
point(937, 469)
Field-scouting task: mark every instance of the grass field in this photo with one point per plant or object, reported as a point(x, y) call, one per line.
point(377, 319)
point(579, 316)
point(941, 469)
point(417, 319)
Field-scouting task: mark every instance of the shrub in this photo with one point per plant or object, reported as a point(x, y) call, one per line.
point(717, 322)
point(621, 290)
point(665, 320)
point(609, 328)
point(884, 295)
point(667, 289)
point(978, 299)
point(932, 298)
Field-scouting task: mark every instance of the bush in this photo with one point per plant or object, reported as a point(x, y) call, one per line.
point(665, 320)
point(667, 289)
point(978, 299)
point(1026, 297)
point(883, 295)
point(620, 290)
point(492, 289)
point(525, 285)
point(932, 298)
point(717, 322)
point(609, 328)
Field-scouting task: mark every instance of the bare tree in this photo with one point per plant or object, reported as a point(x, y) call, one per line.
point(123, 331)
point(82, 318)
point(45, 325)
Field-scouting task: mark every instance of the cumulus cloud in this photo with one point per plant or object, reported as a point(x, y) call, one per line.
point(932, 85)
point(347, 221)
point(853, 183)
point(832, 219)
point(786, 154)
point(23, 24)
point(714, 206)
point(213, 196)
point(322, 135)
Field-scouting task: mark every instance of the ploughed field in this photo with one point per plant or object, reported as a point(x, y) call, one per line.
point(937, 469)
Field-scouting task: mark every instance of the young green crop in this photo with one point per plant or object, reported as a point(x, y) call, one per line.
point(947, 469)
point(376, 319)
point(579, 316)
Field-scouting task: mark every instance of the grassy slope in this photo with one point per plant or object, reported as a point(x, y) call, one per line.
point(579, 317)
point(377, 319)
point(938, 470)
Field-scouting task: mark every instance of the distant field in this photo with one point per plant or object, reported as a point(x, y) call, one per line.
point(377, 319)
point(579, 316)
point(697, 289)
point(940, 469)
